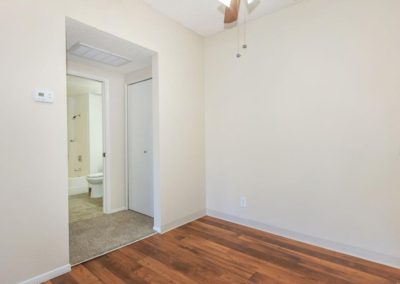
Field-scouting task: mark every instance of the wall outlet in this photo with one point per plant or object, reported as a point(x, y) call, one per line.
point(243, 201)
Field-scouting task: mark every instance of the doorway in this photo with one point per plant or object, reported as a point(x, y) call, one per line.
point(140, 146)
point(112, 63)
point(86, 133)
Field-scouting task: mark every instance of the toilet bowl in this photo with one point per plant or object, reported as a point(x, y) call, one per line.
point(95, 182)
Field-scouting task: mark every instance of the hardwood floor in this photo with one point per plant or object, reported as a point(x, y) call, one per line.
point(210, 250)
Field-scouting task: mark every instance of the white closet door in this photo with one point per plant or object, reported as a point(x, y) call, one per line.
point(140, 147)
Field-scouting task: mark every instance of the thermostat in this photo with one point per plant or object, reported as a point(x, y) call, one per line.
point(44, 96)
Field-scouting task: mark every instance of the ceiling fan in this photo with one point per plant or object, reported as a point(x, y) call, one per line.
point(232, 10)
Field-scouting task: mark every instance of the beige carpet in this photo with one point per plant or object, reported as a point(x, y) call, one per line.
point(92, 233)
point(92, 237)
point(82, 207)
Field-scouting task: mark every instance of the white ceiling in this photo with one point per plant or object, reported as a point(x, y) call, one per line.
point(79, 32)
point(206, 17)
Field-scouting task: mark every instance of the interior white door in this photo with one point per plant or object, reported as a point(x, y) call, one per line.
point(140, 147)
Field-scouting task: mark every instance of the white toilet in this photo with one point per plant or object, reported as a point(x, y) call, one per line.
point(95, 182)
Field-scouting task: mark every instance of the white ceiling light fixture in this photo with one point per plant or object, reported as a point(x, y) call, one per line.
point(97, 54)
point(232, 8)
point(227, 3)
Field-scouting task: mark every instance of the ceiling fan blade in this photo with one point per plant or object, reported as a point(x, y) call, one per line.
point(232, 12)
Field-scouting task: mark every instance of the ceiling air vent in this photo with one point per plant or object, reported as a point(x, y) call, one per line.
point(97, 54)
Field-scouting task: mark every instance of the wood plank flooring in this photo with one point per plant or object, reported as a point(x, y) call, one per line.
point(210, 251)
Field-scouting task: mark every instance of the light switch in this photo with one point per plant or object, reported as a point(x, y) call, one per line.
point(43, 96)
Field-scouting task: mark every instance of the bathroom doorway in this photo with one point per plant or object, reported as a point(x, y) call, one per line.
point(86, 164)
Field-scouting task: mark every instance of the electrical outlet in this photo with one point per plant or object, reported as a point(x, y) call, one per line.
point(243, 201)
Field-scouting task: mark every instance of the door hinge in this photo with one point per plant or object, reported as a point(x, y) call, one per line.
point(104, 155)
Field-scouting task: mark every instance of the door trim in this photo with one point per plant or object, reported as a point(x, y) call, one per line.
point(141, 81)
point(106, 136)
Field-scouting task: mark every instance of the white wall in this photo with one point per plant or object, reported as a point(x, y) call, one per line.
point(306, 125)
point(33, 167)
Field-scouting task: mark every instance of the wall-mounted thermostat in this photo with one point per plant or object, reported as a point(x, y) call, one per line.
point(44, 96)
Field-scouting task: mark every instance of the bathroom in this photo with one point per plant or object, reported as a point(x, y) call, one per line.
point(85, 147)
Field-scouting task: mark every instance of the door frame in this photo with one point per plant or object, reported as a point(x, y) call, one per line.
point(106, 132)
point(156, 157)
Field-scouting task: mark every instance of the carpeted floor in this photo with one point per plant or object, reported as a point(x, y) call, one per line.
point(82, 207)
point(92, 233)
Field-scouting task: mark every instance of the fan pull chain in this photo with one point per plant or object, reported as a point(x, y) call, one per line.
point(238, 55)
point(244, 46)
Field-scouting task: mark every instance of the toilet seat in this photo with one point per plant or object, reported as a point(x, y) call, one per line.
point(95, 175)
point(95, 178)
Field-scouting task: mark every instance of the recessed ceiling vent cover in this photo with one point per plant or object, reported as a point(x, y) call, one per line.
point(97, 54)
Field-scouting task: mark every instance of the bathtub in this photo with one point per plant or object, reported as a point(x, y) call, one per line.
point(77, 185)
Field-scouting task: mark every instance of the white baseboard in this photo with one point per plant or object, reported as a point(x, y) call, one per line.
point(115, 210)
point(180, 222)
point(48, 275)
point(157, 229)
point(388, 260)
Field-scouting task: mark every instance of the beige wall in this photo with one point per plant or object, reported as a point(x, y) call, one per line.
point(306, 125)
point(33, 167)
